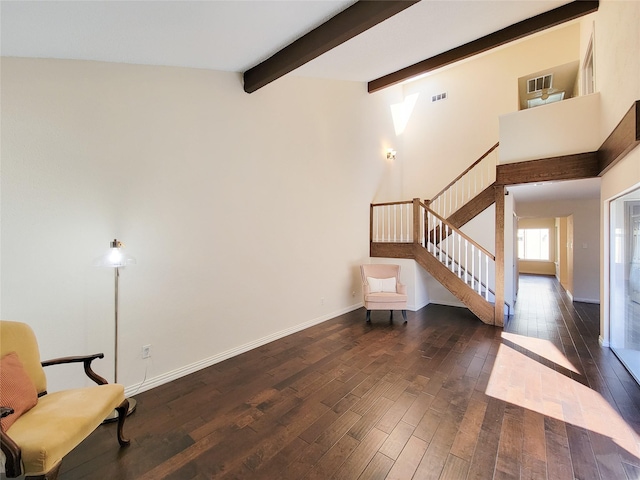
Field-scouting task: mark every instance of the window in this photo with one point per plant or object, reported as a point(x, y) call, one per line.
point(533, 243)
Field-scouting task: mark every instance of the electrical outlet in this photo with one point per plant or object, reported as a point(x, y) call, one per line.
point(146, 351)
point(322, 301)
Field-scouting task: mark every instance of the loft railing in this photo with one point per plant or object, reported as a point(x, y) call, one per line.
point(414, 222)
point(479, 175)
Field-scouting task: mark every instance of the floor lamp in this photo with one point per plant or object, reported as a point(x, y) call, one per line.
point(115, 258)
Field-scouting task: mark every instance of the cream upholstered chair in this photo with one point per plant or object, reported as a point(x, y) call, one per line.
point(40, 428)
point(382, 289)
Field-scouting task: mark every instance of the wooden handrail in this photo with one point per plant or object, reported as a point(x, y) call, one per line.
point(391, 203)
point(466, 237)
point(465, 172)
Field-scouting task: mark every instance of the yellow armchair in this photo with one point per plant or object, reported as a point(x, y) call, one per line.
point(35, 442)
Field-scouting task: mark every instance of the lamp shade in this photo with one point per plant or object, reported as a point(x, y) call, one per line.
point(115, 257)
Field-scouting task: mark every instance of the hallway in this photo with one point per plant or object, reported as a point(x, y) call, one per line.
point(585, 394)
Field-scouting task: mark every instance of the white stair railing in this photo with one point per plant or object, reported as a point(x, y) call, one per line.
point(393, 222)
point(469, 261)
point(480, 175)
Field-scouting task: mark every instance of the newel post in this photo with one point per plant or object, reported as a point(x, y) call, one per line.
point(416, 221)
point(499, 306)
point(370, 229)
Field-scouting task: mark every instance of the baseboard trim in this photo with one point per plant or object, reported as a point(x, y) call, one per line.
point(207, 362)
point(415, 308)
point(602, 341)
point(587, 300)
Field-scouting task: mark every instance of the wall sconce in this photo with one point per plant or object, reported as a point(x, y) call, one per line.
point(391, 154)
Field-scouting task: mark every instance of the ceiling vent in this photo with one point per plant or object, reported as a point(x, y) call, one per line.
point(539, 83)
point(438, 97)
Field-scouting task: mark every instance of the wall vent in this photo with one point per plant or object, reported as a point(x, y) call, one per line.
point(539, 83)
point(438, 97)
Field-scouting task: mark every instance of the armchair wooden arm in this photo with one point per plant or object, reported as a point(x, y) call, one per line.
point(12, 453)
point(85, 359)
point(4, 411)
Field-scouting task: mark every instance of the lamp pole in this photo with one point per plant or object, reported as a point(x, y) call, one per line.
point(116, 259)
point(115, 348)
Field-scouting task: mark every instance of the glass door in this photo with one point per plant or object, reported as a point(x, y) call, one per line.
point(624, 302)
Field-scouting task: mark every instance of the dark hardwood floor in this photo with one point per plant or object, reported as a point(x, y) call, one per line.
point(443, 397)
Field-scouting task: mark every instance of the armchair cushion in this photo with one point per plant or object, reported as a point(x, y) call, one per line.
point(17, 391)
point(60, 421)
point(382, 284)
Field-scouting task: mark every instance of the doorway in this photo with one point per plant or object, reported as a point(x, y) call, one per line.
point(564, 239)
point(624, 281)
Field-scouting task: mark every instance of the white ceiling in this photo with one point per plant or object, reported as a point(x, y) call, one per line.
point(563, 190)
point(236, 35)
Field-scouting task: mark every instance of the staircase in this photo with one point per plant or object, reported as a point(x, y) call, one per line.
point(430, 234)
point(412, 230)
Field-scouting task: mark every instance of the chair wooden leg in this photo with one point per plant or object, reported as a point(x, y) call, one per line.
point(404, 315)
point(50, 475)
point(391, 317)
point(368, 316)
point(122, 416)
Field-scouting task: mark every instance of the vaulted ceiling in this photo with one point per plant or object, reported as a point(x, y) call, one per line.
point(239, 35)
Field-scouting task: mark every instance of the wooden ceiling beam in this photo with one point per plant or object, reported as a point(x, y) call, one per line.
point(352, 21)
point(552, 18)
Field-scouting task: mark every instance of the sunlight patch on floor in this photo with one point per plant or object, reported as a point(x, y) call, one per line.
point(520, 380)
point(541, 347)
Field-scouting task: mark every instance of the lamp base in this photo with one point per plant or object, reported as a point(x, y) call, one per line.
point(113, 416)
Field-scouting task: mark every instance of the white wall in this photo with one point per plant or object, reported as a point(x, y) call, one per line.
point(443, 138)
point(561, 128)
point(617, 66)
point(248, 214)
point(510, 260)
point(586, 238)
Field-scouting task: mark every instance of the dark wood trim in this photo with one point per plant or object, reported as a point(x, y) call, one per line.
point(565, 167)
point(499, 294)
point(352, 21)
point(552, 18)
point(404, 202)
point(392, 250)
point(416, 221)
point(624, 138)
point(370, 224)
